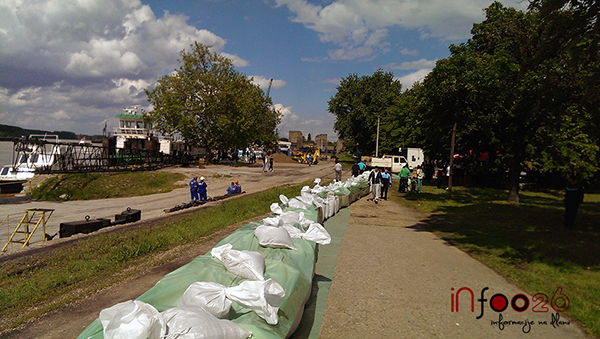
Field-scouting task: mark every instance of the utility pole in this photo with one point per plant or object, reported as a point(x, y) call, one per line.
point(377, 141)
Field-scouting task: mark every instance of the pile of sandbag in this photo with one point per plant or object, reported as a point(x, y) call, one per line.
point(254, 282)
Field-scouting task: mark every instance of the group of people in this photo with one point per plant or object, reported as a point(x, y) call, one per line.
point(234, 188)
point(380, 183)
point(267, 163)
point(198, 188)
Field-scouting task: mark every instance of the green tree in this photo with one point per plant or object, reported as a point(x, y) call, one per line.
point(357, 105)
point(211, 104)
point(513, 88)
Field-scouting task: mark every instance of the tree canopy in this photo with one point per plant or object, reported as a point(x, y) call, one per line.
point(524, 88)
point(211, 104)
point(513, 88)
point(358, 103)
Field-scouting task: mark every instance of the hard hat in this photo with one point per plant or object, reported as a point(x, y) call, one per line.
point(201, 178)
point(236, 181)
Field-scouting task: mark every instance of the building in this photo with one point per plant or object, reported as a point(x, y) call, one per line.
point(296, 139)
point(321, 142)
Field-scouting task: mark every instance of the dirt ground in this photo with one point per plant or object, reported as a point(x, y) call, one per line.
point(218, 178)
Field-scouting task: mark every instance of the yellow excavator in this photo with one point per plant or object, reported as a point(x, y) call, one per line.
point(315, 153)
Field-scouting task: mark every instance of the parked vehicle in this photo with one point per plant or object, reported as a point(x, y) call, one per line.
point(414, 156)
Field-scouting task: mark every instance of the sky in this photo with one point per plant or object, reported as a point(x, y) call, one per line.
point(69, 65)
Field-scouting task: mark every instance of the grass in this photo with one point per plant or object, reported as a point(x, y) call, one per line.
point(87, 186)
point(36, 284)
point(526, 243)
point(346, 160)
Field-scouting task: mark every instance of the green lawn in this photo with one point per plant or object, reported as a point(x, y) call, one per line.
point(87, 186)
point(526, 243)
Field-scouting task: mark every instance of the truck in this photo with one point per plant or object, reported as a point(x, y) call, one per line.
point(412, 157)
point(393, 162)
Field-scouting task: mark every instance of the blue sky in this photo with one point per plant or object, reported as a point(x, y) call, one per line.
point(71, 64)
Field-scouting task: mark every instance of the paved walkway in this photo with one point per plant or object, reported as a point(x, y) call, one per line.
point(394, 280)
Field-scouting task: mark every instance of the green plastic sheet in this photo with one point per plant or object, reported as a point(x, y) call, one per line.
point(292, 269)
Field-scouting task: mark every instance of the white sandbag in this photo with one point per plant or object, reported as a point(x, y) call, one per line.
point(193, 322)
point(315, 232)
point(290, 217)
point(210, 296)
point(284, 199)
point(275, 208)
point(295, 203)
point(308, 196)
point(275, 237)
point(263, 297)
point(305, 200)
point(132, 319)
point(317, 181)
point(273, 221)
point(246, 264)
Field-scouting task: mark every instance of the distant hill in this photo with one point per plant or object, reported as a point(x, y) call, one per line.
point(9, 132)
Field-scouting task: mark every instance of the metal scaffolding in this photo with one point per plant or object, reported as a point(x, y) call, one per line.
point(73, 157)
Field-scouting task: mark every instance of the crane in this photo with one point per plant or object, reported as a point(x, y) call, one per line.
point(269, 89)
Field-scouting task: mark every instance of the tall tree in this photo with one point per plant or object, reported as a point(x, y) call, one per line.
point(513, 89)
point(211, 104)
point(357, 105)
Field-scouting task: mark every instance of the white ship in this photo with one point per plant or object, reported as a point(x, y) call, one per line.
point(133, 125)
point(30, 156)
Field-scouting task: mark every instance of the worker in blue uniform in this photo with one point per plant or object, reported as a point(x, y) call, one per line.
point(202, 189)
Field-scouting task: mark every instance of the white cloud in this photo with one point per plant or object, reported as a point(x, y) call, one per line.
point(290, 121)
point(359, 28)
point(263, 82)
point(237, 61)
point(80, 62)
point(335, 81)
point(409, 79)
point(417, 64)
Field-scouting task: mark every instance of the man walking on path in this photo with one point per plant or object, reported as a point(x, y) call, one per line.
point(386, 180)
point(338, 171)
point(376, 182)
point(194, 188)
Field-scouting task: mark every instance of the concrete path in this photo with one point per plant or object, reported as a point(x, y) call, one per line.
point(394, 280)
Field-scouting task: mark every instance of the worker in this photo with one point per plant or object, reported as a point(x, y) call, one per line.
point(238, 187)
point(202, 189)
point(231, 189)
point(338, 171)
point(194, 188)
point(361, 166)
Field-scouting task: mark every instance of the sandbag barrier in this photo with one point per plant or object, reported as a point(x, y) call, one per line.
point(291, 270)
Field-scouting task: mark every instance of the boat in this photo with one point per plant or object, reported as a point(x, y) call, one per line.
point(30, 156)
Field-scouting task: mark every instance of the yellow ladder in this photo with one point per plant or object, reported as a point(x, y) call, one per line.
point(26, 221)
